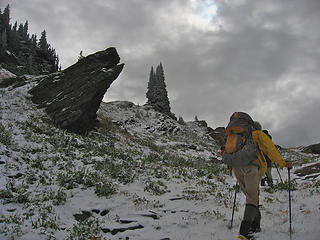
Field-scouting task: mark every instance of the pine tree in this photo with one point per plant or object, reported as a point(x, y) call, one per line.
point(43, 44)
point(157, 94)
point(3, 40)
point(20, 29)
point(34, 56)
point(151, 87)
point(25, 31)
point(34, 39)
point(6, 16)
point(181, 121)
point(5, 27)
point(15, 26)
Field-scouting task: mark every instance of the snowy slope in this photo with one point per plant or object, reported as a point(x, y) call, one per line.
point(139, 175)
point(5, 74)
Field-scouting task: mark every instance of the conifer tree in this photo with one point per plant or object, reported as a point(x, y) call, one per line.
point(43, 44)
point(25, 31)
point(15, 26)
point(34, 56)
point(151, 87)
point(34, 39)
point(3, 40)
point(157, 95)
point(6, 16)
point(181, 121)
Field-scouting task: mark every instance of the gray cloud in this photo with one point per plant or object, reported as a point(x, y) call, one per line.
point(256, 56)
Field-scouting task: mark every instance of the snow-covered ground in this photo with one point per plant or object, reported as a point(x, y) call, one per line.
point(138, 176)
point(5, 74)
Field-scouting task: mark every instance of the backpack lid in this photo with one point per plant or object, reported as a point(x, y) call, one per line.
point(240, 120)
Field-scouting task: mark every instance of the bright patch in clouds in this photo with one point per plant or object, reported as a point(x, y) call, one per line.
point(209, 9)
point(199, 15)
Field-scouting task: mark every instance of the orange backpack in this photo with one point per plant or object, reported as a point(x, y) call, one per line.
point(239, 148)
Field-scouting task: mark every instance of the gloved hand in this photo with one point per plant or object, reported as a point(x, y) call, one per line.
point(289, 165)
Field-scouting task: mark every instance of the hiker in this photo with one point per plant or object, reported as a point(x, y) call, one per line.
point(268, 177)
point(245, 148)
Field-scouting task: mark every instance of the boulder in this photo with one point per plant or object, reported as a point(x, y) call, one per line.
point(314, 148)
point(218, 135)
point(72, 97)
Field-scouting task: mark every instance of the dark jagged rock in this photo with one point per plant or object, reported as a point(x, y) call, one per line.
point(82, 216)
point(16, 176)
point(217, 134)
point(73, 96)
point(314, 148)
point(202, 123)
point(97, 211)
point(104, 212)
point(310, 171)
point(124, 221)
point(117, 230)
point(14, 82)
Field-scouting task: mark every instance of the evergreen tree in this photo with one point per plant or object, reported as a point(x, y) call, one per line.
point(35, 57)
point(6, 16)
point(151, 89)
point(43, 44)
point(3, 40)
point(57, 63)
point(20, 30)
point(15, 26)
point(181, 121)
point(4, 27)
point(34, 39)
point(157, 94)
point(25, 31)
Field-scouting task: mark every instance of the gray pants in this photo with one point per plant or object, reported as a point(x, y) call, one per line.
point(269, 176)
point(249, 181)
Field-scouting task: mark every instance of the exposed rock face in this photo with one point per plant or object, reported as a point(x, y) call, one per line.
point(311, 171)
point(218, 134)
point(73, 96)
point(314, 148)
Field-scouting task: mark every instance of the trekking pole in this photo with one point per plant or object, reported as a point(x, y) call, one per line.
point(279, 174)
point(289, 186)
point(234, 205)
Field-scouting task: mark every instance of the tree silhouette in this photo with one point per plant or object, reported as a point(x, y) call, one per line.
point(43, 44)
point(32, 56)
point(157, 95)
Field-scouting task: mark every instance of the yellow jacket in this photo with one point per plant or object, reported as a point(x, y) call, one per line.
point(267, 147)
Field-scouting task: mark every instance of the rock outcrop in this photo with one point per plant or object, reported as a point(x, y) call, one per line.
point(218, 134)
point(310, 171)
point(314, 148)
point(72, 97)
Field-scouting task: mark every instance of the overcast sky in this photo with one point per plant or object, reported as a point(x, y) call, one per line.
point(219, 56)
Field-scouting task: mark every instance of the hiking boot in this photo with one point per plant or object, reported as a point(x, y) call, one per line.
point(245, 231)
point(245, 238)
point(263, 182)
point(270, 183)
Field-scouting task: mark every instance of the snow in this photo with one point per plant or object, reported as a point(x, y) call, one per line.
point(185, 201)
point(5, 74)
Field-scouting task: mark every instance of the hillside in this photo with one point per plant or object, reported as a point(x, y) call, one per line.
point(138, 175)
